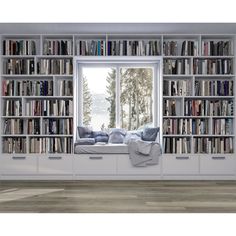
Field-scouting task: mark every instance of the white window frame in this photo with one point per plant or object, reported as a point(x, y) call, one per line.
point(117, 62)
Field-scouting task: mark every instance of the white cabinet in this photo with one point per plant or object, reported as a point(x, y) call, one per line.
point(124, 167)
point(18, 164)
point(218, 164)
point(55, 164)
point(95, 164)
point(182, 164)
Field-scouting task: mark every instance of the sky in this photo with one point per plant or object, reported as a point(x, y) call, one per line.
point(96, 77)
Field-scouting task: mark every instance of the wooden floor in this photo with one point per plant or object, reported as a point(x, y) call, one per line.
point(118, 196)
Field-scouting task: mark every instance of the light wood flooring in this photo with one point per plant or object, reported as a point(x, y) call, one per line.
point(118, 196)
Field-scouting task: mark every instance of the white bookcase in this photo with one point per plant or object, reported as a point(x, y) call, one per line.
point(198, 119)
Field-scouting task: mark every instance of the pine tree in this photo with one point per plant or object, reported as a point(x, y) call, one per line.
point(111, 98)
point(87, 103)
point(136, 84)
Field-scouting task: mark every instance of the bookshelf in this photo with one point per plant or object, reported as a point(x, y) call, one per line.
point(37, 94)
point(198, 108)
point(198, 93)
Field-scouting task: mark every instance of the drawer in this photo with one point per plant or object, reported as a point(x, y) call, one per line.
point(217, 164)
point(18, 164)
point(124, 167)
point(180, 164)
point(95, 164)
point(55, 164)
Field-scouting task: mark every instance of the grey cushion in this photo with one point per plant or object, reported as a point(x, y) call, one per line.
point(116, 136)
point(150, 134)
point(132, 135)
point(103, 139)
point(99, 133)
point(85, 132)
point(85, 141)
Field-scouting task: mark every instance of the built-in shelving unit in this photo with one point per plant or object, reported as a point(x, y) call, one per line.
point(198, 93)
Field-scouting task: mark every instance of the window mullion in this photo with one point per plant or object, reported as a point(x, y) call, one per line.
point(118, 118)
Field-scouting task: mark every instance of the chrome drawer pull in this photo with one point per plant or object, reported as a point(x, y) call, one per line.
point(218, 158)
point(55, 157)
point(18, 157)
point(182, 158)
point(95, 158)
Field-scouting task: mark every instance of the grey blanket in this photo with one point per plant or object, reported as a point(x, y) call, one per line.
point(143, 153)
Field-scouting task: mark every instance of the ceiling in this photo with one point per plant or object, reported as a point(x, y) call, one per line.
point(158, 28)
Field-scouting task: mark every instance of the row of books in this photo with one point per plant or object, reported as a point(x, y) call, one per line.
point(208, 108)
point(58, 126)
point(177, 145)
point(216, 48)
point(55, 66)
point(15, 66)
point(19, 47)
point(134, 48)
point(171, 107)
point(91, 48)
point(177, 67)
point(27, 88)
point(214, 88)
point(13, 126)
point(213, 145)
point(12, 107)
point(222, 126)
point(188, 48)
point(51, 145)
point(186, 126)
point(49, 107)
point(212, 66)
point(57, 47)
point(14, 145)
point(65, 87)
point(177, 87)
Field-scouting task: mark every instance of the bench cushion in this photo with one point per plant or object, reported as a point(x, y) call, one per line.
point(102, 149)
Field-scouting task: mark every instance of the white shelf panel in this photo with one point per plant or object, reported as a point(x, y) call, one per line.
point(54, 56)
point(209, 97)
point(18, 56)
point(36, 117)
point(212, 135)
point(213, 57)
point(187, 117)
point(178, 57)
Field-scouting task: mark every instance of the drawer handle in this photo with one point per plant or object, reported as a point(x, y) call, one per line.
point(18, 157)
point(55, 157)
point(182, 158)
point(218, 158)
point(95, 158)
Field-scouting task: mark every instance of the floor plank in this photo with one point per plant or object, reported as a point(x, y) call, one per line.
point(118, 196)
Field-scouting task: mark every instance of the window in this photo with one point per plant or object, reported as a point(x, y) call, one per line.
point(99, 97)
point(136, 97)
point(117, 95)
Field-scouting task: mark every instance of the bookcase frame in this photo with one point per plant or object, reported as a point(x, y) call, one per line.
point(172, 158)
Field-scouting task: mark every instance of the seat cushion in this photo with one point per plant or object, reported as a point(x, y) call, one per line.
point(102, 149)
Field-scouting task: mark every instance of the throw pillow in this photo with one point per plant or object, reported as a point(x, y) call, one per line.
point(85, 132)
point(150, 134)
point(116, 136)
point(132, 135)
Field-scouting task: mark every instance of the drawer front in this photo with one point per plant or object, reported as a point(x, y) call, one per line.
point(55, 165)
point(217, 164)
point(95, 164)
point(18, 164)
point(124, 167)
point(180, 164)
